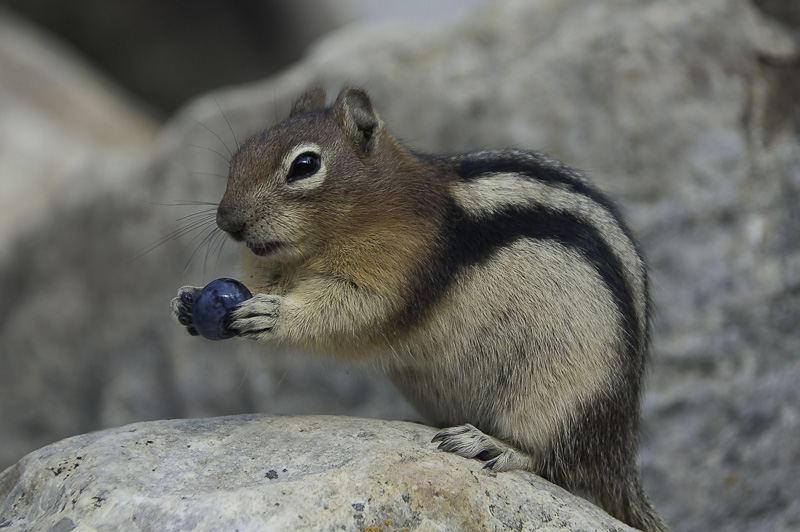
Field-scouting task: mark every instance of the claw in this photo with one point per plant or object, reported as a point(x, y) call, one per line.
point(182, 308)
point(227, 324)
point(470, 442)
point(255, 318)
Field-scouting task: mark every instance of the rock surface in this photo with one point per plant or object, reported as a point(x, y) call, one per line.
point(686, 112)
point(253, 473)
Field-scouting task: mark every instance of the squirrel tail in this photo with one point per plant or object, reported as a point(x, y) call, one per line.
point(630, 504)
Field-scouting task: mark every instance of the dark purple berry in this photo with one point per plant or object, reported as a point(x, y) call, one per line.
point(214, 303)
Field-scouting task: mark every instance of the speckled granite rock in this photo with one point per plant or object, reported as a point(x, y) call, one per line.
point(255, 473)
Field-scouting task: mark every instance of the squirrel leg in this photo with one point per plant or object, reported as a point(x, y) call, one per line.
point(469, 442)
point(182, 307)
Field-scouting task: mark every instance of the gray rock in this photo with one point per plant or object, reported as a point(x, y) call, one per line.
point(58, 118)
point(686, 112)
point(253, 473)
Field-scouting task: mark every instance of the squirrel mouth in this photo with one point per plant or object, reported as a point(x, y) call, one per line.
point(262, 249)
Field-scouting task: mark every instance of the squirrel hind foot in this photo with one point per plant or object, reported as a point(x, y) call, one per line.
point(470, 442)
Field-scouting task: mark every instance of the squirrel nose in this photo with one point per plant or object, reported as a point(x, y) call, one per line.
point(231, 222)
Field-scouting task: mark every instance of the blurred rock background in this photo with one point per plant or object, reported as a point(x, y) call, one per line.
point(688, 113)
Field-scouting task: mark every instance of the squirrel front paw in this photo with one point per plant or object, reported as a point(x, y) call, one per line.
point(182, 307)
point(255, 318)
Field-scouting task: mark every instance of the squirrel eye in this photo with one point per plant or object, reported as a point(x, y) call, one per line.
point(305, 165)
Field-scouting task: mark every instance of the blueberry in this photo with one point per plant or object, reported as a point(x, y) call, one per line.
point(213, 304)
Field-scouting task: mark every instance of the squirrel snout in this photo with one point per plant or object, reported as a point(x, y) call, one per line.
point(231, 222)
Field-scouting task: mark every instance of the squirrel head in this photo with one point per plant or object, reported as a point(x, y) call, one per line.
point(321, 171)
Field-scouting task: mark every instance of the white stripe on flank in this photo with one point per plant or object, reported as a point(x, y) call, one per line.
point(491, 193)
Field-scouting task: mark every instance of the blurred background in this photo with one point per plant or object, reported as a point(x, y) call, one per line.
point(117, 120)
point(163, 53)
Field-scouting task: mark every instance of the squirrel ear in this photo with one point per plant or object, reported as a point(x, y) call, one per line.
point(311, 100)
point(361, 123)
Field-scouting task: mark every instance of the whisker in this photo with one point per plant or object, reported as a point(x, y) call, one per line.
point(230, 153)
point(212, 150)
point(227, 122)
point(195, 203)
point(199, 215)
point(191, 222)
point(174, 235)
point(203, 229)
point(249, 354)
point(275, 106)
point(292, 354)
point(221, 241)
point(181, 203)
point(208, 224)
point(206, 235)
point(221, 176)
point(210, 245)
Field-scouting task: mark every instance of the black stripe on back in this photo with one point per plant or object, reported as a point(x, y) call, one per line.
point(534, 166)
point(470, 241)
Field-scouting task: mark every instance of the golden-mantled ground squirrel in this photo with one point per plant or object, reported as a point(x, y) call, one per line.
point(501, 291)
